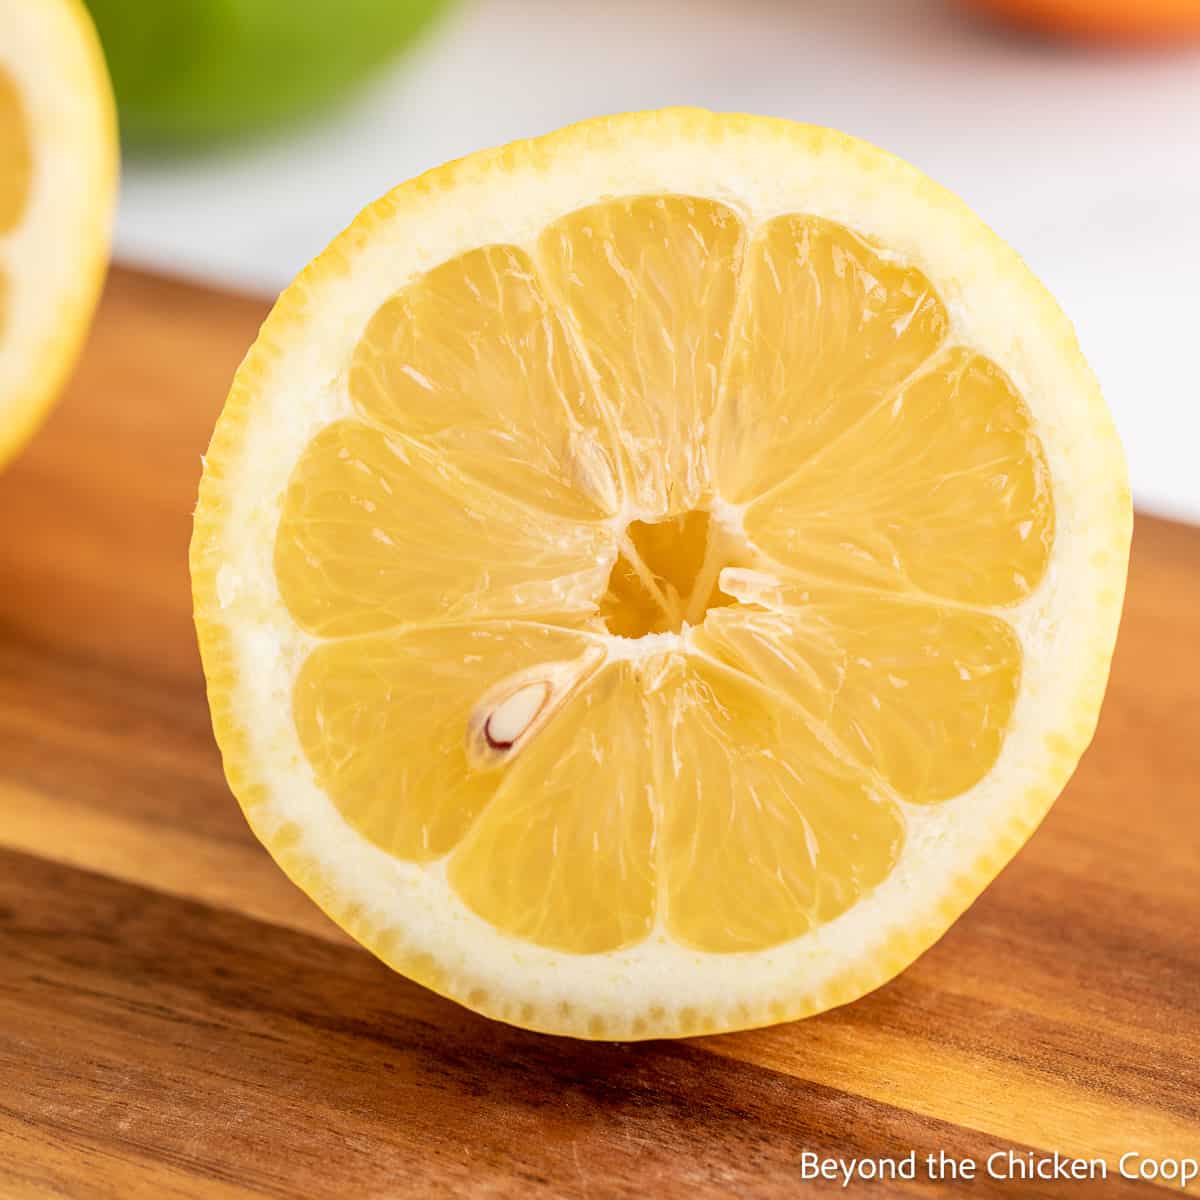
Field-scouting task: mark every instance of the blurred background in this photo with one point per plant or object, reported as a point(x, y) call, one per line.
point(255, 130)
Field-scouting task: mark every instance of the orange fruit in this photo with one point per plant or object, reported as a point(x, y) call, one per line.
point(1111, 20)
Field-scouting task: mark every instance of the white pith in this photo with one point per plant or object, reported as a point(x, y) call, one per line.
point(1066, 627)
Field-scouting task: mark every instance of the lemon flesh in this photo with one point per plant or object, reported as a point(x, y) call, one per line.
point(16, 154)
point(764, 449)
point(16, 166)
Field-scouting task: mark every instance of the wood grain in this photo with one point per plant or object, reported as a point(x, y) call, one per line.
point(177, 1021)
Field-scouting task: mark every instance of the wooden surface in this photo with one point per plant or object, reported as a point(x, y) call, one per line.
point(176, 1020)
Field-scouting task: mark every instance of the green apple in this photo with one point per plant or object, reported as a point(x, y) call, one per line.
point(199, 70)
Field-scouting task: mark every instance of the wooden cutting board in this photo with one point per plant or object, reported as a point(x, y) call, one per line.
point(176, 1020)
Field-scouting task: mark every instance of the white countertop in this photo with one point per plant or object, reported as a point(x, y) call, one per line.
point(1088, 163)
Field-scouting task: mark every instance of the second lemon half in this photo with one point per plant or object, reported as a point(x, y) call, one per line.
point(58, 184)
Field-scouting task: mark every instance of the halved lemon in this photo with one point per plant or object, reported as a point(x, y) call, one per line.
point(651, 578)
point(58, 176)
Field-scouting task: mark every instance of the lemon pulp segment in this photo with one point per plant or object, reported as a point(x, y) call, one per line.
point(738, 494)
point(16, 154)
point(16, 168)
